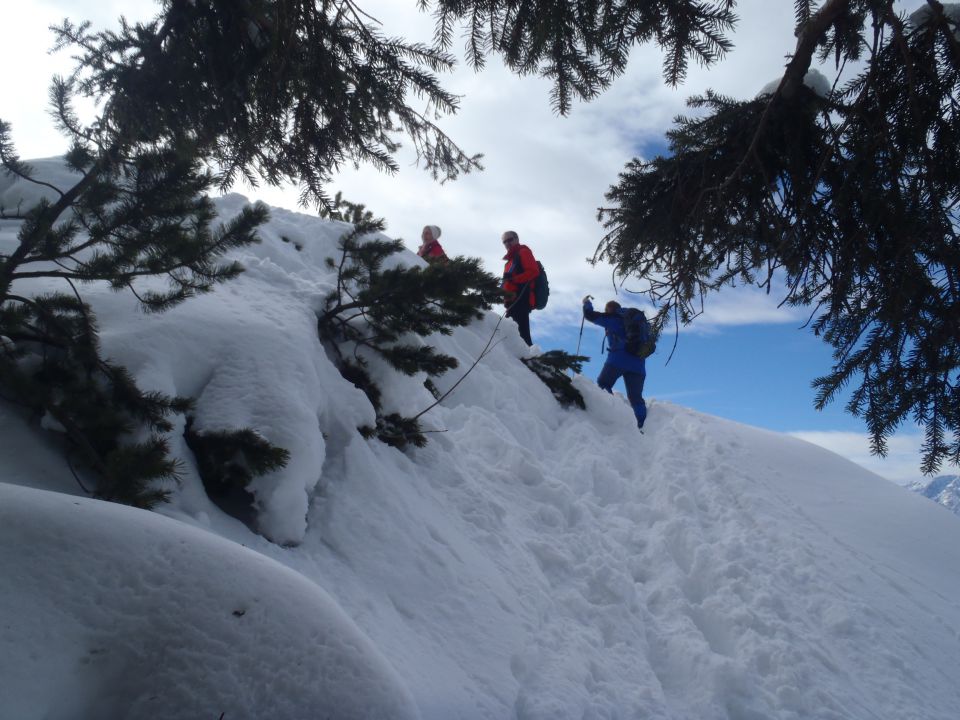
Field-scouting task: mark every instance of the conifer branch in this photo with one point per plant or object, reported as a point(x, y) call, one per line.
point(13, 170)
point(810, 35)
point(947, 33)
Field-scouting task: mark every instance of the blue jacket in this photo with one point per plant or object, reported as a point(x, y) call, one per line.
point(617, 354)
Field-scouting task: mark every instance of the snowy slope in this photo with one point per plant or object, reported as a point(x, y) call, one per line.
point(529, 563)
point(112, 612)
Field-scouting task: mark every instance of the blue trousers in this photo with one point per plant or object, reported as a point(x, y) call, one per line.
point(633, 381)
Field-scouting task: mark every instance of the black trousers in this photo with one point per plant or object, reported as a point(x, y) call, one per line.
point(520, 314)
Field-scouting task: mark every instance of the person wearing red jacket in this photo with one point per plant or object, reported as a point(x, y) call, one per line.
point(430, 249)
point(518, 276)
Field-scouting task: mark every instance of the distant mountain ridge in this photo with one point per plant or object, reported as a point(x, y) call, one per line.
point(943, 489)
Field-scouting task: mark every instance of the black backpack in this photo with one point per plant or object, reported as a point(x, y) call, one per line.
point(640, 341)
point(541, 288)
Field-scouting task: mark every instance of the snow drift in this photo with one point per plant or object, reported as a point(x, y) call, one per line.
point(113, 612)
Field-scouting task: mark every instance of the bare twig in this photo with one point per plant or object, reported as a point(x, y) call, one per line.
point(76, 476)
point(483, 353)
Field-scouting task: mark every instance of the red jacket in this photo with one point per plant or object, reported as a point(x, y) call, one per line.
point(431, 252)
point(521, 269)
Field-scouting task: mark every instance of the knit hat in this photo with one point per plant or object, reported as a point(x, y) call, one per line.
point(435, 231)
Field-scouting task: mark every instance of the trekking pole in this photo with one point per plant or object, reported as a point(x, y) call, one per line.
point(579, 339)
point(582, 320)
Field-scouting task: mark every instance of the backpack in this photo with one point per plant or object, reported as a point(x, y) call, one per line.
point(640, 341)
point(541, 288)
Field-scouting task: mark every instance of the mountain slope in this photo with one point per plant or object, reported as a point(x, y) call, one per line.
point(530, 562)
point(943, 489)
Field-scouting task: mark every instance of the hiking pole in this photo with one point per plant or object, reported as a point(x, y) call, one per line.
point(582, 320)
point(579, 339)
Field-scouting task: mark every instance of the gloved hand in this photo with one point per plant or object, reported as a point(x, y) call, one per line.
point(587, 298)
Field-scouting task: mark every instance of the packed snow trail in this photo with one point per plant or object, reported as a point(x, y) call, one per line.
point(691, 572)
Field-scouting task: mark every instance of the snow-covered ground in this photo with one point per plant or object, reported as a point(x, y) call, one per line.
point(530, 562)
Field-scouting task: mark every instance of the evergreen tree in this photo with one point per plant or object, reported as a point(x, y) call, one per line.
point(273, 90)
point(128, 217)
point(583, 46)
point(847, 200)
point(385, 310)
point(263, 89)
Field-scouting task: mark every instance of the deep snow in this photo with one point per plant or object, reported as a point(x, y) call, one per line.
point(530, 562)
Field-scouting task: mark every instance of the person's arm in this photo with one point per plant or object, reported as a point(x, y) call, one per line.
point(589, 313)
point(603, 320)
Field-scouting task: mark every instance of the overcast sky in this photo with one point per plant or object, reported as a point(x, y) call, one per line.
point(545, 177)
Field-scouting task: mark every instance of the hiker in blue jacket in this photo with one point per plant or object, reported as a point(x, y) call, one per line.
point(620, 362)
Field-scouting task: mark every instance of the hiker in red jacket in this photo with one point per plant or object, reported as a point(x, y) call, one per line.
point(430, 249)
point(518, 276)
